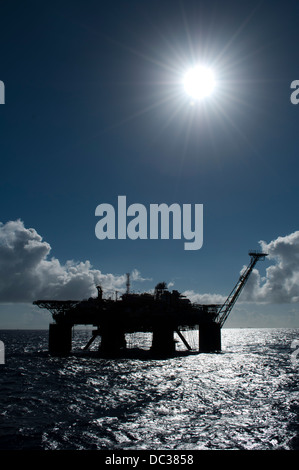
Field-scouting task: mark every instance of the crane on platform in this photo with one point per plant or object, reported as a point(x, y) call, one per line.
point(226, 308)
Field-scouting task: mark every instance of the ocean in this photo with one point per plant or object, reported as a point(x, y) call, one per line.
point(244, 398)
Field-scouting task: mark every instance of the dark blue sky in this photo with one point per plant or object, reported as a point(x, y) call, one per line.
point(95, 109)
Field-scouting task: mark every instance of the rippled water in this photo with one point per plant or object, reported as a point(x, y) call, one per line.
point(246, 397)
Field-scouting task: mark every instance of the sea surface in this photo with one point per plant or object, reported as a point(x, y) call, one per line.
point(244, 398)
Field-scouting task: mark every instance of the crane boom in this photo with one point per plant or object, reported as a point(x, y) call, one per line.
point(226, 308)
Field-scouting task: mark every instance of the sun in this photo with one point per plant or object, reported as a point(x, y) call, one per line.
point(199, 82)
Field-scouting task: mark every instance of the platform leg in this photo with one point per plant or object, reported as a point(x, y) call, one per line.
point(210, 338)
point(163, 341)
point(60, 339)
point(113, 341)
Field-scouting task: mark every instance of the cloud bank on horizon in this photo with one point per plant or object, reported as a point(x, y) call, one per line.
point(28, 273)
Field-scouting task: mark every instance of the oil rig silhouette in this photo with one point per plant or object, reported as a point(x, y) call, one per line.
point(162, 314)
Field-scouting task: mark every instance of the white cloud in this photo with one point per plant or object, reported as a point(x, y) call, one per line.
point(27, 273)
point(281, 282)
point(204, 298)
point(136, 276)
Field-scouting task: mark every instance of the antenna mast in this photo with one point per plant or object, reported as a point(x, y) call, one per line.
point(128, 283)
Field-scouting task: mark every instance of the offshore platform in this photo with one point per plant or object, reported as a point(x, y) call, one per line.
point(162, 314)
